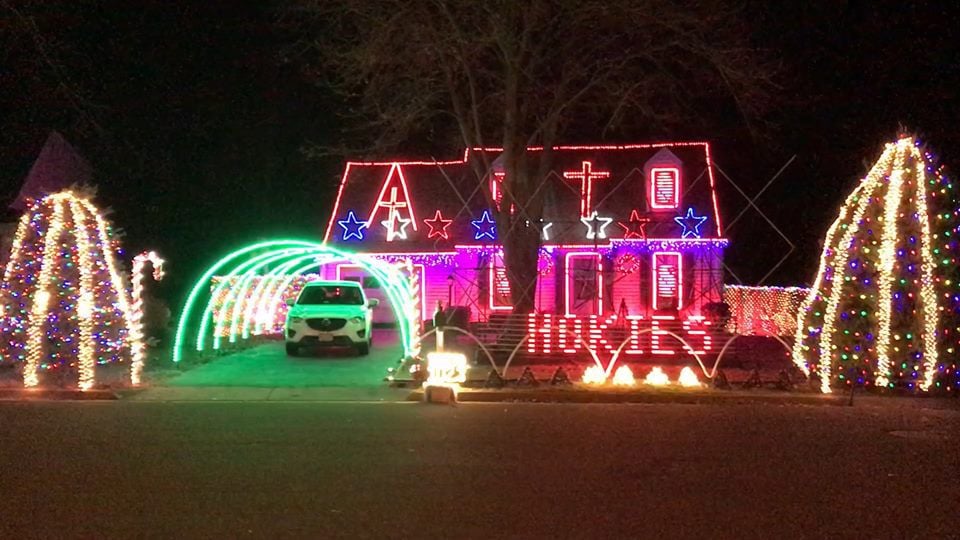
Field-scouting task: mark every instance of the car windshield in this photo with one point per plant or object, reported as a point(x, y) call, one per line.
point(331, 294)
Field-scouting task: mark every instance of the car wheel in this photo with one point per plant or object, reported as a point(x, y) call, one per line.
point(363, 349)
point(293, 349)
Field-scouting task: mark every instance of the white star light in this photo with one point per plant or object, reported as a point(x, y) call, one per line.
point(596, 225)
point(391, 225)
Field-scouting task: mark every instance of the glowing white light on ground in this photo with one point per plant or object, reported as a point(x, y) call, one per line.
point(623, 377)
point(656, 377)
point(688, 378)
point(594, 375)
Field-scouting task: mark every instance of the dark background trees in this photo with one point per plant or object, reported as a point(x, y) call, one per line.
point(194, 116)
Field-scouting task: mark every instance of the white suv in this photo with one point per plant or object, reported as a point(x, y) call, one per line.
point(330, 314)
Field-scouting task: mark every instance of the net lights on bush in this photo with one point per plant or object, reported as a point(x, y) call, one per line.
point(64, 302)
point(873, 314)
point(763, 311)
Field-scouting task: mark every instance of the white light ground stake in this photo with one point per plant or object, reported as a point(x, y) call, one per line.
point(623, 377)
point(657, 377)
point(688, 378)
point(594, 375)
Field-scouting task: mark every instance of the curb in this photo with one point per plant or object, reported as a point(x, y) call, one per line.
point(554, 395)
point(690, 397)
point(47, 394)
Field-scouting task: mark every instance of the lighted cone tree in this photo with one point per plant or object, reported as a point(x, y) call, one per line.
point(65, 307)
point(883, 308)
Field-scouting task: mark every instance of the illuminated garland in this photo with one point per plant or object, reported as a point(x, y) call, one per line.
point(881, 307)
point(628, 263)
point(64, 304)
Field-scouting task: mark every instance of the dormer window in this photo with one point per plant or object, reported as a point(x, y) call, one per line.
point(663, 173)
point(664, 188)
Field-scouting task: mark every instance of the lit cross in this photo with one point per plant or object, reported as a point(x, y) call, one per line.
point(352, 228)
point(393, 205)
point(485, 227)
point(586, 175)
point(690, 223)
point(391, 224)
point(596, 226)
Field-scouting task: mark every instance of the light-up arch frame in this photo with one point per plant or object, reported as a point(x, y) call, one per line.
point(288, 254)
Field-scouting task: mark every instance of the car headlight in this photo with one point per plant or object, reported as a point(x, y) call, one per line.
point(296, 319)
point(356, 320)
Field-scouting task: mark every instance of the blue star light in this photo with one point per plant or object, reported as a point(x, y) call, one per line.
point(690, 223)
point(352, 228)
point(485, 227)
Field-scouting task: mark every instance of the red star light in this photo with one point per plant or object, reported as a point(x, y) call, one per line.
point(438, 226)
point(636, 227)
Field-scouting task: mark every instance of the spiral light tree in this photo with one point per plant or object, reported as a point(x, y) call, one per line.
point(65, 308)
point(883, 308)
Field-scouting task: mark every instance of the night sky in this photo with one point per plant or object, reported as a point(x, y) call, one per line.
point(195, 117)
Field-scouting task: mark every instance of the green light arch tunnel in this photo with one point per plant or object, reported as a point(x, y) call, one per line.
point(288, 259)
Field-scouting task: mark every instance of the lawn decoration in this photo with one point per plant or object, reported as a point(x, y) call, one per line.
point(594, 375)
point(65, 305)
point(136, 309)
point(882, 310)
point(688, 378)
point(623, 377)
point(657, 377)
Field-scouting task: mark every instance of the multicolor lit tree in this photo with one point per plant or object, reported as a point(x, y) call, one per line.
point(65, 306)
point(884, 307)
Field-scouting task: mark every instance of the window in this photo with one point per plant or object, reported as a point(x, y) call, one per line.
point(583, 284)
point(664, 188)
point(667, 280)
point(342, 295)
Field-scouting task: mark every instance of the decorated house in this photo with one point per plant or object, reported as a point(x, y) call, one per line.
point(631, 235)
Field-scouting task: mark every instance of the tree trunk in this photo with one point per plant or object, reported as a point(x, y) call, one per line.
point(521, 250)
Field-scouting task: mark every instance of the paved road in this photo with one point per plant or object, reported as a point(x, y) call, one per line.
point(322, 470)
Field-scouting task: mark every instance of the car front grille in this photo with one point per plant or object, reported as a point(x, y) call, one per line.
point(325, 324)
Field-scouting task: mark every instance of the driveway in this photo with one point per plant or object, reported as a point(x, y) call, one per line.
point(266, 372)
